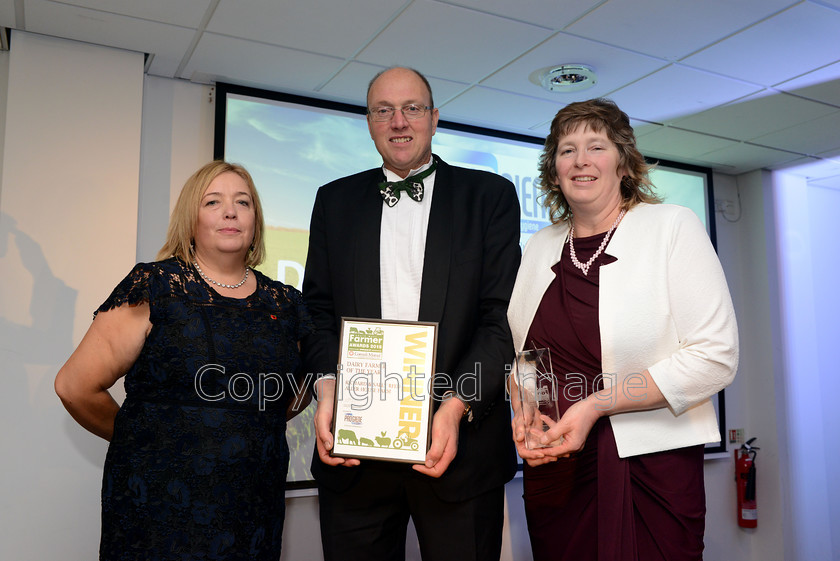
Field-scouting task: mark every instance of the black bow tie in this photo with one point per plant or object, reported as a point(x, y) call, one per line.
point(412, 185)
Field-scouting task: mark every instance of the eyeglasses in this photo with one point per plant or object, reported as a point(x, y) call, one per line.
point(412, 111)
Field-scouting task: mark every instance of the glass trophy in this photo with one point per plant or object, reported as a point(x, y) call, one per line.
point(537, 393)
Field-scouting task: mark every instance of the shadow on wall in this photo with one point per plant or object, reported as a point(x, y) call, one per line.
point(49, 336)
point(36, 336)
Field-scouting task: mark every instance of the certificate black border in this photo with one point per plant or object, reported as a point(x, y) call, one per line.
point(428, 406)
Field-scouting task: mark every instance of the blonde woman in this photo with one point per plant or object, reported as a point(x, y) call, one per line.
point(197, 458)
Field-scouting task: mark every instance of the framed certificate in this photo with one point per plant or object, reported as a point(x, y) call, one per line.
point(383, 397)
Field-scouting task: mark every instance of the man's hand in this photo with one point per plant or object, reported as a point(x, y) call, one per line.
point(445, 426)
point(325, 389)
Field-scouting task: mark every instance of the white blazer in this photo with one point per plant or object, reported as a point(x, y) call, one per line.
point(664, 306)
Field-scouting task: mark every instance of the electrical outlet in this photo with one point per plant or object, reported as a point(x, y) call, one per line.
point(724, 206)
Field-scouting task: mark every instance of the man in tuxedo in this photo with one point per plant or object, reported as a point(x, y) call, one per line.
point(446, 251)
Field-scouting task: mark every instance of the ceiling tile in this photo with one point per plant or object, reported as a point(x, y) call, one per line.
point(268, 66)
point(810, 167)
point(451, 42)
point(833, 155)
point(682, 146)
point(8, 17)
point(798, 166)
point(444, 90)
point(553, 15)
point(832, 182)
point(168, 43)
point(641, 128)
point(795, 41)
point(187, 13)
point(741, 158)
point(661, 142)
point(813, 137)
point(303, 25)
point(613, 67)
point(330, 50)
point(819, 85)
point(494, 109)
point(676, 91)
point(818, 172)
point(352, 81)
point(669, 29)
point(540, 131)
point(747, 118)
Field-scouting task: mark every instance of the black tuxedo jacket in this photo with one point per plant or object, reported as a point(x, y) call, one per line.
point(472, 255)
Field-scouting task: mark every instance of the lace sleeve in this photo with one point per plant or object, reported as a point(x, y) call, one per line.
point(132, 290)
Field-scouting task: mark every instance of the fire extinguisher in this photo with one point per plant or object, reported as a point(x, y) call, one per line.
point(745, 482)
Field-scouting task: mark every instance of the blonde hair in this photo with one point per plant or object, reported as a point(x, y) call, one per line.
point(599, 115)
point(182, 223)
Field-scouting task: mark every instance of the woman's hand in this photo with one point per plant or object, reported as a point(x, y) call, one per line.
point(568, 435)
point(521, 424)
point(534, 457)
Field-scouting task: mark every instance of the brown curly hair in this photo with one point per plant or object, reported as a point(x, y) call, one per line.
point(599, 115)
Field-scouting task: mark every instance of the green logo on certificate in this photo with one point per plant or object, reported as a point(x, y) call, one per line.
point(383, 400)
point(366, 341)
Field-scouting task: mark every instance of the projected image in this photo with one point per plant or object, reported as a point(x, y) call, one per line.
point(290, 152)
point(293, 148)
point(517, 161)
point(682, 187)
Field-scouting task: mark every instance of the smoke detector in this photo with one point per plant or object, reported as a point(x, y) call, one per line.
point(565, 78)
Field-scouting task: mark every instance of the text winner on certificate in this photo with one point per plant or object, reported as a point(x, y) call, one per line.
point(384, 412)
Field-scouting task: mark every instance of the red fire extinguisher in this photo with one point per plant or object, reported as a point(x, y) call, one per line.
point(745, 482)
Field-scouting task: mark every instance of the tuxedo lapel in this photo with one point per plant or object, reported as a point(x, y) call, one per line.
point(366, 251)
point(438, 247)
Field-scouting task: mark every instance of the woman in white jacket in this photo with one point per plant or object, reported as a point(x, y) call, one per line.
point(630, 298)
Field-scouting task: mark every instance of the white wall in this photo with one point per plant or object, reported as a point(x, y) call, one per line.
point(751, 401)
point(4, 90)
point(824, 204)
point(84, 194)
point(807, 246)
point(68, 208)
point(177, 140)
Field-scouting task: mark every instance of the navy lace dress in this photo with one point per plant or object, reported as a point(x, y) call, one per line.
point(197, 465)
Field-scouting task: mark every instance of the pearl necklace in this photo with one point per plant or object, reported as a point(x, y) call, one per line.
point(223, 285)
point(585, 266)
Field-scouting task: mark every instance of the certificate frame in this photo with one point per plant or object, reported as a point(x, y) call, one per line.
point(384, 389)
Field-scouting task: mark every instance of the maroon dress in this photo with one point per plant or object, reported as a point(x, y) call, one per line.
point(595, 505)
